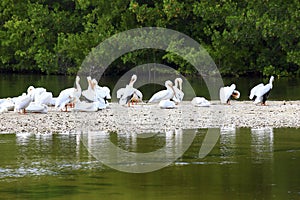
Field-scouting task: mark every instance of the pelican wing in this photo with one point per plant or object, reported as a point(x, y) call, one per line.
point(120, 92)
point(101, 92)
point(254, 90)
point(138, 95)
point(85, 107)
point(89, 95)
point(166, 104)
point(129, 91)
point(44, 98)
point(107, 91)
point(36, 92)
point(22, 102)
point(161, 95)
point(262, 91)
point(37, 108)
point(225, 93)
point(8, 104)
point(64, 98)
point(200, 102)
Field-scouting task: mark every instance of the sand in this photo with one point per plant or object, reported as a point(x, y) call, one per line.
point(151, 118)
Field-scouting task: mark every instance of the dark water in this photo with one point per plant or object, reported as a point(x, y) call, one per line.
point(15, 84)
point(244, 164)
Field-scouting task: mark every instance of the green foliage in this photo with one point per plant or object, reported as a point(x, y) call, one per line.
point(243, 37)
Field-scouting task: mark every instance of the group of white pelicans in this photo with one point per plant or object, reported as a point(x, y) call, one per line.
point(95, 97)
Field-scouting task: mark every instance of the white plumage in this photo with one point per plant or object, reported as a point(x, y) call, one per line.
point(44, 98)
point(200, 102)
point(22, 102)
point(167, 94)
point(68, 95)
point(34, 92)
point(89, 94)
point(94, 91)
point(167, 104)
point(85, 106)
point(129, 93)
point(7, 104)
point(261, 92)
point(36, 107)
point(227, 92)
point(178, 90)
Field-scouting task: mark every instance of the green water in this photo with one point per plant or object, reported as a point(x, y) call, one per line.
point(15, 84)
point(244, 164)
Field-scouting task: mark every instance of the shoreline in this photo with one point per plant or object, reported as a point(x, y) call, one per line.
point(150, 118)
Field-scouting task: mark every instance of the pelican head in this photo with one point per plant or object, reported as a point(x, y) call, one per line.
point(133, 79)
point(271, 79)
point(236, 94)
point(168, 84)
point(178, 82)
point(94, 82)
point(30, 89)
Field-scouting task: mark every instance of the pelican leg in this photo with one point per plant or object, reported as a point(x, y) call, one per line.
point(66, 108)
point(228, 102)
point(22, 111)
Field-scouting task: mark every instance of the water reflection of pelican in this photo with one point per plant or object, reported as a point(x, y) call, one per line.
point(174, 140)
point(262, 142)
point(102, 148)
point(23, 138)
point(228, 129)
point(227, 140)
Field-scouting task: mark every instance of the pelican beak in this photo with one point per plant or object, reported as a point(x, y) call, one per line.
point(172, 89)
point(131, 80)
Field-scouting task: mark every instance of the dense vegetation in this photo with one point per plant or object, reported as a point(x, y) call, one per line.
point(243, 37)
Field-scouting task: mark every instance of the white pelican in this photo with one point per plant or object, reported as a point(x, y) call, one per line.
point(167, 94)
point(96, 93)
point(178, 89)
point(200, 102)
point(167, 104)
point(7, 103)
point(36, 107)
point(22, 102)
point(260, 93)
point(227, 92)
point(68, 95)
point(34, 92)
point(129, 93)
